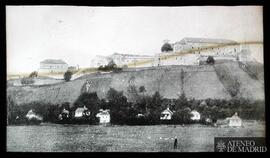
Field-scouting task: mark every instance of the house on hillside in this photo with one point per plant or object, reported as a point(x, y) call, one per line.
point(196, 116)
point(235, 121)
point(166, 114)
point(53, 65)
point(104, 116)
point(82, 112)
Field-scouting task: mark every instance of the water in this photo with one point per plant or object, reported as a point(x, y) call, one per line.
point(87, 138)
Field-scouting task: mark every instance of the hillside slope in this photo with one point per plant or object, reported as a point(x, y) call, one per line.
point(199, 82)
point(248, 87)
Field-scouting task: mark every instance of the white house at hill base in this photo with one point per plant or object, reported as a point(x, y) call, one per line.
point(235, 121)
point(82, 111)
point(32, 115)
point(166, 114)
point(104, 116)
point(195, 115)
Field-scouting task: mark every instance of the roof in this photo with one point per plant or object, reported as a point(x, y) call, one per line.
point(194, 111)
point(206, 40)
point(104, 112)
point(235, 116)
point(130, 55)
point(167, 111)
point(203, 103)
point(53, 61)
point(65, 111)
point(31, 112)
point(80, 109)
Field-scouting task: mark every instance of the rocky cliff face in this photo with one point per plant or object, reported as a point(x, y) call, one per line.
point(199, 82)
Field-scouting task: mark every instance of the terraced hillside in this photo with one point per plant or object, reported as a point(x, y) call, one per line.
point(199, 82)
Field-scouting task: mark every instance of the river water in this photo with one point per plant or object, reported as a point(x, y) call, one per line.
point(98, 138)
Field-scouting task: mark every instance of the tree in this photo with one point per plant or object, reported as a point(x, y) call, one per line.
point(210, 60)
point(182, 116)
point(181, 102)
point(166, 47)
point(142, 89)
point(68, 75)
point(119, 106)
point(33, 74)
point(112, 64)
point(90, 100)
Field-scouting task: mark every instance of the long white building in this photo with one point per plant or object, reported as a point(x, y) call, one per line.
point(119, 59)
point(53, 65)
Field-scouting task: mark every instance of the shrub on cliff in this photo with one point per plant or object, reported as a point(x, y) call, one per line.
point(210, 60)
point(67, 75)
point(33, 74)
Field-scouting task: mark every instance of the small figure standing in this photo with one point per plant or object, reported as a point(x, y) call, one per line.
point(175, 143)
point(87, 86)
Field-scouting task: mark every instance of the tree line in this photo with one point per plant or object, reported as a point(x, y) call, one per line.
point(137, 108)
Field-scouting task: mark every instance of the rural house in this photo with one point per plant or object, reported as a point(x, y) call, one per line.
point(32, 115)
point(235, 121)
point(64, 114)
point(195, 115)
point(166, 114)
point(53, 65)
point(81, 111)
point(104, 116)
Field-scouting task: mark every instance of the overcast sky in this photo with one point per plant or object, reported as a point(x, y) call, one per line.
point(76, 34)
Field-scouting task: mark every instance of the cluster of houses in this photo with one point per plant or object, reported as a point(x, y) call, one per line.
point(234, 121)
point(104, 116)
point(83, 112)
point(167, 115)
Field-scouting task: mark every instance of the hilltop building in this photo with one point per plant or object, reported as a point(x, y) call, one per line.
point(206, 45)
point(119, 59)
point(191, 51)
point(99, 61)
point(188, 51)
point(53, 65)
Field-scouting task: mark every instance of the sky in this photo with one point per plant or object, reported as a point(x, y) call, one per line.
point(78, 33)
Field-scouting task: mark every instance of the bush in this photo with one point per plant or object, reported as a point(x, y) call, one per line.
point(111, 66)
point(210, 60)
point(67, 75)
point(33, 74)
point(90, 100)
point(166, 47)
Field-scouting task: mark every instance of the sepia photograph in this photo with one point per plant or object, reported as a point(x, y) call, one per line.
point(135, 79)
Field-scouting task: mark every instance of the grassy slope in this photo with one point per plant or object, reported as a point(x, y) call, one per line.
point(249, 88)
point(200, 82)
